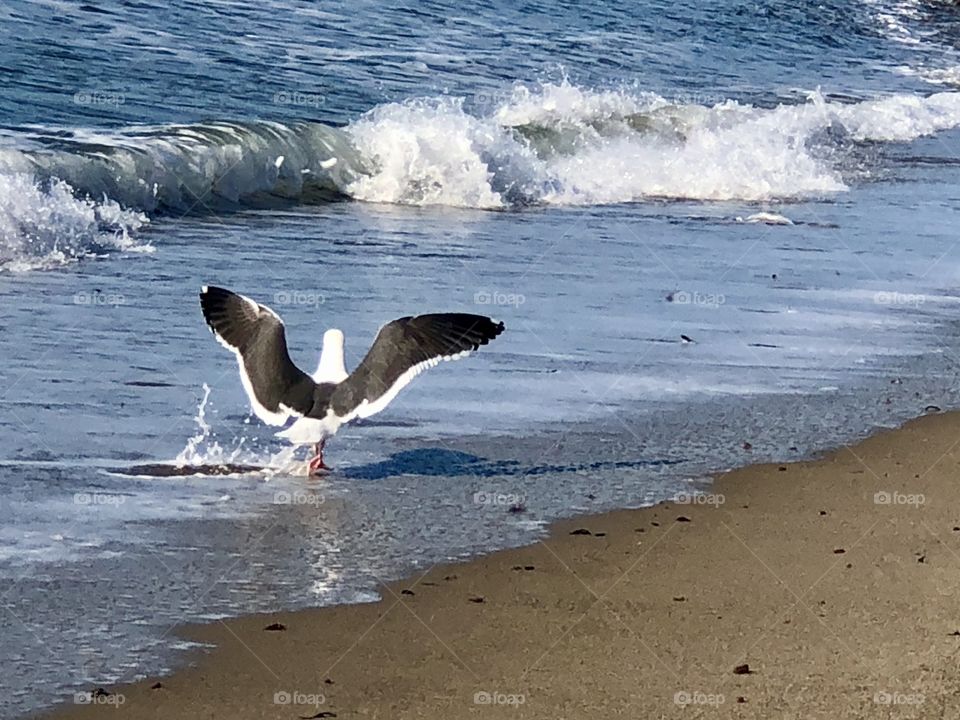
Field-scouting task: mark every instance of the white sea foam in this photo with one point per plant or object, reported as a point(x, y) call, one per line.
point(901, 118)
point(429, 153)
point(561, 144)
point(48, 226)
point(766, 218)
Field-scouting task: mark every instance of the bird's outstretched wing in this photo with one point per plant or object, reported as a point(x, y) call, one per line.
point(403, 349)
point(276, 387)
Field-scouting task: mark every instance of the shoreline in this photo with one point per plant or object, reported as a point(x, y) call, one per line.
point(821, 588)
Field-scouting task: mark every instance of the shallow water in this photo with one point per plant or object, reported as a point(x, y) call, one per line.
point(779, 187)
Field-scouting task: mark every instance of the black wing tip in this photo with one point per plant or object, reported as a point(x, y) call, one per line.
point(486, 330)
point(211, 298)
point(215, 304)
point(493, 330)
point(212, 291)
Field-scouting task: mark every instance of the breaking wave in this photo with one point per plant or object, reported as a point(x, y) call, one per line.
point(562, 144)
point(68, 194)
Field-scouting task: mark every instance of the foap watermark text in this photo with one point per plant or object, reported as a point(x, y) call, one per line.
point(97, 498)
point(295, 697)
point(498, 499)
point(297, 497)
point(692, 498)
point(696, 697)
point(887, 497)
point(297, 97)
point(495, 297)
point(898, 298)
point(98, 298)
point(482, 697)
point(299, 297)
point(695, 297)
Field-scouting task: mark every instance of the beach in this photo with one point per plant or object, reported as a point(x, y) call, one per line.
point(820, 589)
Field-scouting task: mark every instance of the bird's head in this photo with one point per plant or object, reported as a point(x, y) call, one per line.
point(333, 338)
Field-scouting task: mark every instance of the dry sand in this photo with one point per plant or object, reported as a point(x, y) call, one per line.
point(805, 594)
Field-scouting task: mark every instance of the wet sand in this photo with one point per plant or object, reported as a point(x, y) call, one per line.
point(823, 589)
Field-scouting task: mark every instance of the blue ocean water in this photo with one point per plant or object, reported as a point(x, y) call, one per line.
point(778, 183)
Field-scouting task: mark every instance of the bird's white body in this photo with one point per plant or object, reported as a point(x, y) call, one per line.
point(331, 369)
point(310, 431)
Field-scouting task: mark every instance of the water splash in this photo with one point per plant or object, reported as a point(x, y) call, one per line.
point(203, 449)
point(192, 454)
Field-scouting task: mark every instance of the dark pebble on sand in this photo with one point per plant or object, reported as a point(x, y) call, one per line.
point(742, 670)
point(679, 598)
point(955, 633)
point(407, 591)
point(823, 512)
point(321, 714)
point(328, 681)
point(276, 627)
point(529, 567)
point(581, 531)
point(655, 523)
point(477, 599)
point(449, 577)
point(601, 534)
point(922, 559)
point(683, 518)
point(156, 686)
point(741, 699)
point(839, 551)
point(956, 528)
point(782, 468)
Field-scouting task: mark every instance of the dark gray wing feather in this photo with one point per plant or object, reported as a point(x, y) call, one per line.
point(256, 334)
point(403, 349)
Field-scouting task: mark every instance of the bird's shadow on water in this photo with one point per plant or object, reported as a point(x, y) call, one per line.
point(443, 462)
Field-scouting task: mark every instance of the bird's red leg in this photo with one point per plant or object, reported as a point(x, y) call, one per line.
point(316, 462)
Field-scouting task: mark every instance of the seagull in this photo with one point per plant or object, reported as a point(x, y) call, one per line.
point(331, 397)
